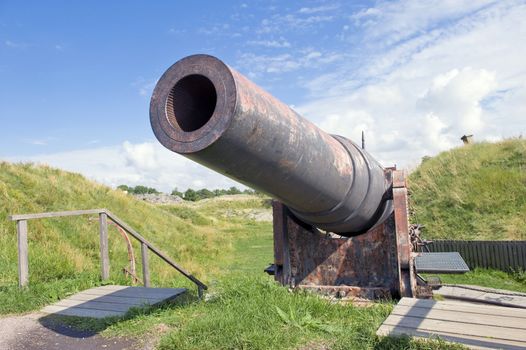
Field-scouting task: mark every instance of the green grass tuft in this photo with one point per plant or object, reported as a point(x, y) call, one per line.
point(217, 241)
point(472, 192)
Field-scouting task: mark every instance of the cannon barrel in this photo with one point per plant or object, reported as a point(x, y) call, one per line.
point(210, 113)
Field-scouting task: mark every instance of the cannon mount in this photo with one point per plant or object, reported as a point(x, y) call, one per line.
point(374, 265)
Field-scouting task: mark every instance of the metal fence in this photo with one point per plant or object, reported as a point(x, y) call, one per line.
point(500, 255)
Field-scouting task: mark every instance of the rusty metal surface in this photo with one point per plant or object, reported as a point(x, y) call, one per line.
point(371, 293)
point(365, 263)
point(210, 113)
point(403, 241)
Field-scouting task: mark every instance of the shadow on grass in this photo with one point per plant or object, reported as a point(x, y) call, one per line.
point(85, 327)
point(387, 343)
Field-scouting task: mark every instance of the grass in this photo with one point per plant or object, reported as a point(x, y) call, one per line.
point(218, 241)
point(489, 278)
point(63, 252)
point(472, 192)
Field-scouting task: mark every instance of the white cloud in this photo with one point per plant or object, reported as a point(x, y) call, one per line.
point(301, 20)
point(419, 76)
point(147, 163)
point(454, 70)
point(281, 43)
point(15, 45)
point(456, 96)
point(40, 142)
point(258, 64)
point(317, 9)
point(393, 22)
point(144, 86)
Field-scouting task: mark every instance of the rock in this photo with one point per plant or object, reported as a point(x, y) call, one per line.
point(159, 198)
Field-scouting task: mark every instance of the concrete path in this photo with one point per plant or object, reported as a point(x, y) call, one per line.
point(31, 332)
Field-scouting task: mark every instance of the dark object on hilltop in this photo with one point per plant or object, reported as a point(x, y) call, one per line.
point(467, 139)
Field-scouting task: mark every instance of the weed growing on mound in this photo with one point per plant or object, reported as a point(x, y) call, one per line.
point(64, 252)
point(256, 313)
point(472, 192)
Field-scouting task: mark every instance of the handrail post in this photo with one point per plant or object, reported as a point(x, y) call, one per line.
point(23, 259)
point(145, 265)
point(104, 251)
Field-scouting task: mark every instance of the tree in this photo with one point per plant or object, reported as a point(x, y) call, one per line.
point(190, 195)
point(176, 192)
point(249, 191)
point(124, 188)
point(204, 193)
point(139, 189)
point(233, 190)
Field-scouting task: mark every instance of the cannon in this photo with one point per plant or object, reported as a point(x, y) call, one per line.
point(340, 218)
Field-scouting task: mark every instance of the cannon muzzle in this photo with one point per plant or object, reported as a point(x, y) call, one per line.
point(210, 113)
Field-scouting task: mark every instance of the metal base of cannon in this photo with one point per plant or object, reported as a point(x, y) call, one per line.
point(375, 265)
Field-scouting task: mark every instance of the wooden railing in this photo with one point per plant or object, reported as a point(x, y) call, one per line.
point(104, 215)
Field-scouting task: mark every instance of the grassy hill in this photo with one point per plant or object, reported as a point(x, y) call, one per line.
point(64, 252)
point(472, 192)
point(220, 242)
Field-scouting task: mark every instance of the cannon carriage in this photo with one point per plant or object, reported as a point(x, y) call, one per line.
point(340, 218)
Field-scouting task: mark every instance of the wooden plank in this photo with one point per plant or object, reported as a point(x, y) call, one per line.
point(23, 257)
point(478, 254)
point(55, 214)
point(112, 299)
point(494, 255)
point(156, 251)
point(97, 305)
point(485, 249)
point(72, 311)
point(145, 265)
point(468, 251)
point(104, 250)
point(482, 296)
point(522, 255)
point(137, 292)
point(456, 316)
point(515, 255)
point(507, 252)
point(137, 288)
point(482, 309)
point(473, 342)
point(460, 328)
point(500, 255)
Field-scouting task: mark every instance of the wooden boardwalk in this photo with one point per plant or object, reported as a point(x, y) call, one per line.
point(477, 326)
point(108, 301)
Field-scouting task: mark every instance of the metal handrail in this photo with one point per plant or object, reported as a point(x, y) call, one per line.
point(104, 214)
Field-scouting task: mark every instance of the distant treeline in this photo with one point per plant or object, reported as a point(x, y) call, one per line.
point(189, 194)
point(138, 189)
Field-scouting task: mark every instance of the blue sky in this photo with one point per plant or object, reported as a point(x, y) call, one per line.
point(76, 77)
